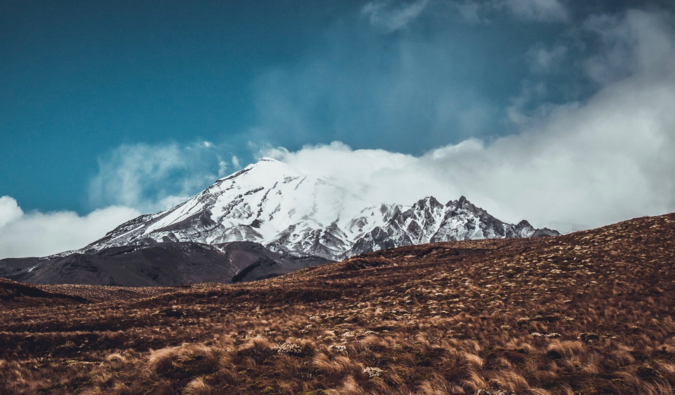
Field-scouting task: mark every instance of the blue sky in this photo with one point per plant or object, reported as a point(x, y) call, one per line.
point(138, 105)
point(80, 78)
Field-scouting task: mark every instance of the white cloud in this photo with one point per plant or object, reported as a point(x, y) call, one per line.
point(40, 234)
point(476, 11)
point(382, 15)
point(543, 60)
point(530, 93)
point(9, 210)
point(470, 12)
point(606, 161)
point(535, 10)
point(572, 166)
point(151, 178)
point(222, 167)
point(635, 43)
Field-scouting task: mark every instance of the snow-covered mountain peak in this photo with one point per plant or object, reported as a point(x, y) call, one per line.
point(288, 211)
point(265, 170)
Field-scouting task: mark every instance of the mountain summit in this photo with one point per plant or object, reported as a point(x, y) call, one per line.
point(294, 213)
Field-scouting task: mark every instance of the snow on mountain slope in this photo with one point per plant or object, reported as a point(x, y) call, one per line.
point(290, 212)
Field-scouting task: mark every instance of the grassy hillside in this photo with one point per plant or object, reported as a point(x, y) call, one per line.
point(586, 313)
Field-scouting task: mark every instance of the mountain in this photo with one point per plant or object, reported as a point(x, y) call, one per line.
point(160, 264)
point(299, 214)
point(263, 221)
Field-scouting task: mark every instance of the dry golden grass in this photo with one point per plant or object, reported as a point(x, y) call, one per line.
point(587, 313)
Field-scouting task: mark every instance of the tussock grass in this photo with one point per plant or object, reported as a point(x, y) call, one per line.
point(587, 313)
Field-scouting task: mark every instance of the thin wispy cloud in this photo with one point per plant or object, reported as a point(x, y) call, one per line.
point(534, 10)
point(359, 87)
point(388, 17)
point(637, 42)
point(544, 60)
point(484, 11)
point(150, 178)
point(470, 12)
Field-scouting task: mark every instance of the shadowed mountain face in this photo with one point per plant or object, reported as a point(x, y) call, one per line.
point(22, 295)
point(160, 264)
point(591, 312)
point(291, 212)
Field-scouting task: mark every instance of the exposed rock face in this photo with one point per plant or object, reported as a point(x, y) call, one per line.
point(294, 213)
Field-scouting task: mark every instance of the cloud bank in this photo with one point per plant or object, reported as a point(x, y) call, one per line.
point(573, 166)
point(585, 167)
point(40, 234)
